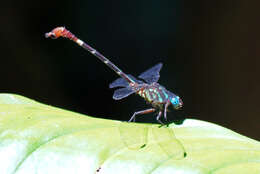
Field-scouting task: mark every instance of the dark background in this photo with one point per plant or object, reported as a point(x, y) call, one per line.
point(210, 51)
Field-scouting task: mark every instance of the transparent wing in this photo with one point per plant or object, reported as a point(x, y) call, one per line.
point(122, 93)
point(152, 74)
point(166, 139)
point(134, 136)
point(120, 82)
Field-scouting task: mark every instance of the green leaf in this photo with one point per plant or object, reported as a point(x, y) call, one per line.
point(37, 138)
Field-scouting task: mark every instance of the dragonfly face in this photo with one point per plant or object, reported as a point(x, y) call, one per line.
point(176, 102)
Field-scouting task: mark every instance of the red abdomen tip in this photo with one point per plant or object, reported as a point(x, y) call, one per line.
point(56, 32)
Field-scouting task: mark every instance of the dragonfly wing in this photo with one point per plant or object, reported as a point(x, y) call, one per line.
point(134, 136)
point(122, 93)
point(152, 74)
point(166, 139)
point(120, 82)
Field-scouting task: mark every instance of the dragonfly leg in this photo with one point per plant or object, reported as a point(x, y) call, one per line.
point(147, 111)
point(158, 117)
point(165, 109)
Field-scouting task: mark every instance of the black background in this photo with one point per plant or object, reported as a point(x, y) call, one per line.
point(210, 51)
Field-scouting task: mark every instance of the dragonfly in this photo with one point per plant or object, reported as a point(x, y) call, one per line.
point(146, 86)
point(154, 93)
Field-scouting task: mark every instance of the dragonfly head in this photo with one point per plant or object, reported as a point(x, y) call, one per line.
point(176, 102)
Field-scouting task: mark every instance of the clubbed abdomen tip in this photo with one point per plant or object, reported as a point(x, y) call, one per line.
point(60, 32)
point(56, 32)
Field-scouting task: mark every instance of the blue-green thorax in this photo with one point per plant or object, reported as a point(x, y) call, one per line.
point(158, 95)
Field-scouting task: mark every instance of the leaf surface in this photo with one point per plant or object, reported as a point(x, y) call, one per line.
point(37, 138)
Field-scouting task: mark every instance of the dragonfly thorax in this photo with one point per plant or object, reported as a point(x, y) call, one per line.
point(153, 93)
point(157, 95)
